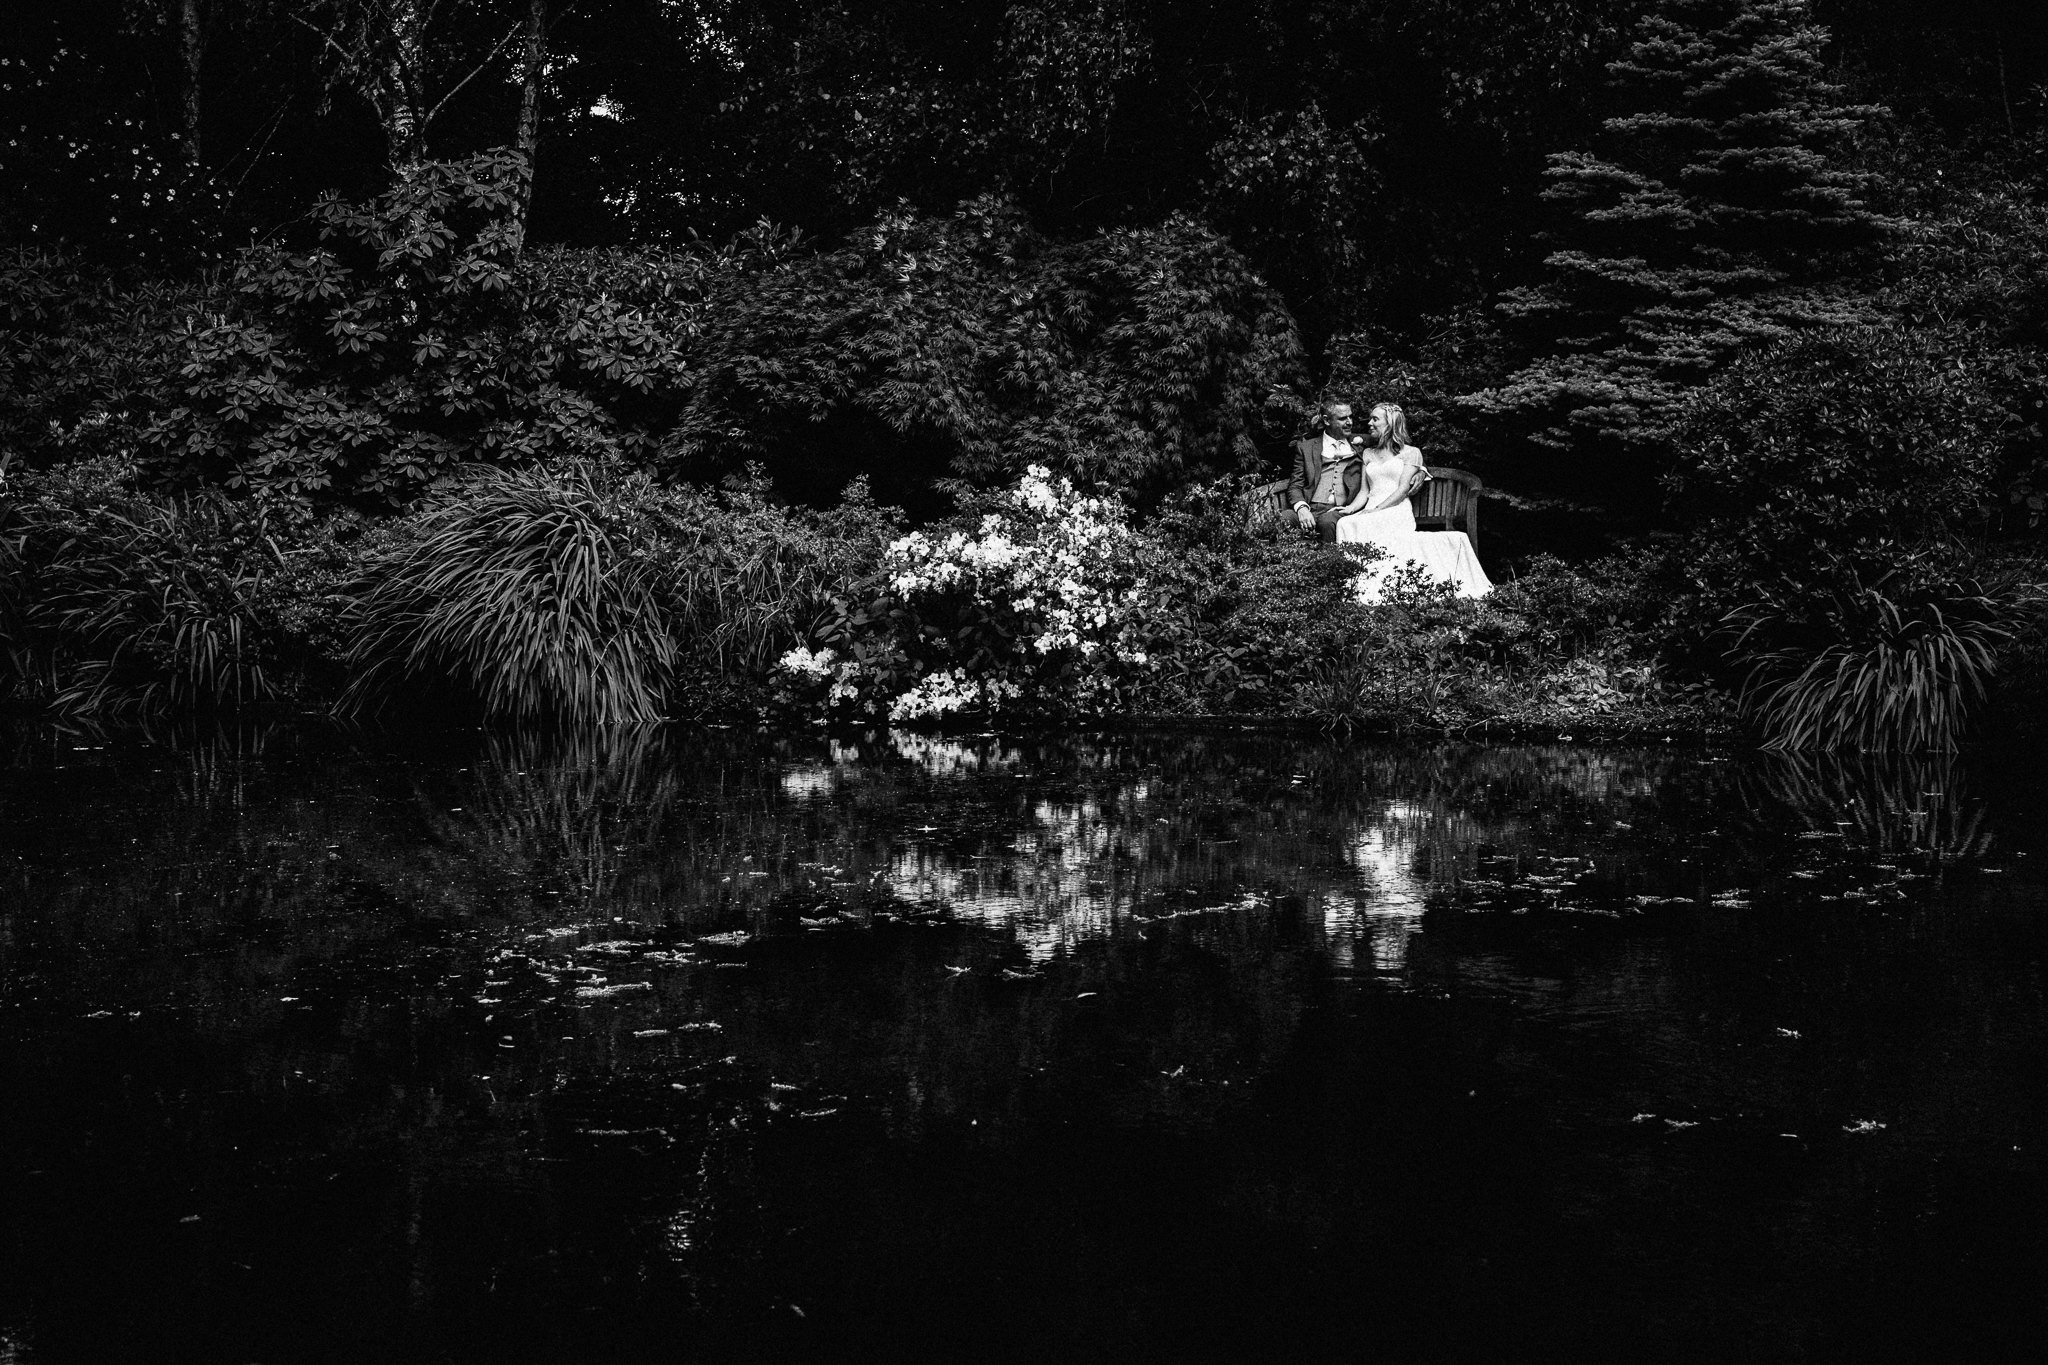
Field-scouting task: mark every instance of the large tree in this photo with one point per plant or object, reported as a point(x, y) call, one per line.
point(1715, 211)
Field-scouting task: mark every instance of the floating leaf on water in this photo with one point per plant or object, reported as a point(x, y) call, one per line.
point(728, 940)
point(1863, 1126)
point(608, 992)
point(650, 1033)
point(1788, 1033)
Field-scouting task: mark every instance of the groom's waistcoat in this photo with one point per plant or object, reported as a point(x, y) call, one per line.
point(1308, 470)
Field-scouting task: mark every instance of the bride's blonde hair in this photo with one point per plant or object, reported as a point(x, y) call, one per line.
point(1397, 426)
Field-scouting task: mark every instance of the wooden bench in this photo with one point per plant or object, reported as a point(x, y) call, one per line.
point(1448, 502)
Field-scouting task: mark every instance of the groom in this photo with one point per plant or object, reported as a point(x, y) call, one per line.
point(1327, 468)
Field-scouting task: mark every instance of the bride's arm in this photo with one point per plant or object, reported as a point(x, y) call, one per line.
point(1418, 473)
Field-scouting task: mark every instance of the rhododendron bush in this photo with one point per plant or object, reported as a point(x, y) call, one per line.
point(1037, 609)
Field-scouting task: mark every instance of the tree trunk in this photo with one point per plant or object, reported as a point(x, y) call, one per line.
point(400, 76)
point(527, 138)
point(191, 48)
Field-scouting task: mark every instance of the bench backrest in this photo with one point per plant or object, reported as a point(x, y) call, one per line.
point(1448, 502)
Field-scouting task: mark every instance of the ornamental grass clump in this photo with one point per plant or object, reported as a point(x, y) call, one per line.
point(123, 601)
point(540, 592)
point(1881, 665)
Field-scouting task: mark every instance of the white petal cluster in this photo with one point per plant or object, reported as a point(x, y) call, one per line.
point(1059, 560)
point(940, 694)
point(1054, 570)
point(806, 663)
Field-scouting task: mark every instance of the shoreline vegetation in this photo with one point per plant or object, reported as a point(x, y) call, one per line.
point(588, 598)
point(1761, 422)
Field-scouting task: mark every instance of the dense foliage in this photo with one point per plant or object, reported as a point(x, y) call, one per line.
point(969, 345)
point(127, 600)
point(405, 340)
point(555, 356)
point(1708, 218)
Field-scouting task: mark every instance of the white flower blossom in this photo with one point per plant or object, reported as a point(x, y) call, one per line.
point(806, 663)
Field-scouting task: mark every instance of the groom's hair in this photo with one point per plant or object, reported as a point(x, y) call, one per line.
point(1323, 409)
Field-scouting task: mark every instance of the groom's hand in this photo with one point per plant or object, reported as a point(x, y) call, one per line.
point(1306, 518)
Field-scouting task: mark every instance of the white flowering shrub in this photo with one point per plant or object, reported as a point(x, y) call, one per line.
point(1040, 607)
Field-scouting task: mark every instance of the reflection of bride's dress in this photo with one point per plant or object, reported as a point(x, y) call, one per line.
point(1446, 556)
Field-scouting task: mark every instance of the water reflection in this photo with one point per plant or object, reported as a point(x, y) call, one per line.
point(1388, 911)
point(1906, 804)
point(668, 1031)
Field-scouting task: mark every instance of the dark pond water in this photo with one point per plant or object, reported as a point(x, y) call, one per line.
point(318, 1046)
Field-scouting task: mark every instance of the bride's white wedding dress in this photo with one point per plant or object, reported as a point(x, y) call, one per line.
point(1446, 556)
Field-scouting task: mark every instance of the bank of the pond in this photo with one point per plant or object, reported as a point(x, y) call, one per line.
point(593, 595)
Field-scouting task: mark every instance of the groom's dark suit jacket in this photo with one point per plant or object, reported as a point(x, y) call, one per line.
point(1308, 471)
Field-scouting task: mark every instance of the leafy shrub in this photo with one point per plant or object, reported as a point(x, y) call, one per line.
point(1035, 609)
point(747, 579)
point(1554, 650)
point(1832, 483)
point(1897, 662)
point(86, 362)
point(411, 338)
point(1973, 270)
point(1241, 615)
point(971, 345)
point(1832, 449)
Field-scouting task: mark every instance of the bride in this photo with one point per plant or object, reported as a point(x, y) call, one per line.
point(1382, 516)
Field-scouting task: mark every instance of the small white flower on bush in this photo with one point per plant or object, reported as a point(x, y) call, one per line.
point(802, 670)
point(806, 663)
point(939, 694)
point(1055, 568)
point(1057, 559)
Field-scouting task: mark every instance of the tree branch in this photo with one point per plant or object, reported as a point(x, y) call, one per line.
point(476, 71)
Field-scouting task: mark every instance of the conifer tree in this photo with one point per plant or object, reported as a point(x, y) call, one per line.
point(1712, 215)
